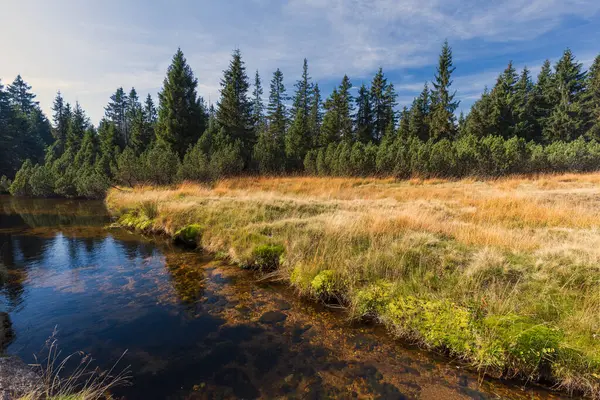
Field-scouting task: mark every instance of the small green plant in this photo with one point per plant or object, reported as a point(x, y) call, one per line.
point(189, 235)
point(324, 284)
point(372, 299)
point(266, 257)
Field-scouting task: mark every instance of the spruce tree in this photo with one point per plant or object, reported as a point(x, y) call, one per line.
point(545, 98)
point(269, 151)
point(593, 88)
point(364, 116)
point(315, 119)
point(480, 121)
point(338, 118)
point(443, 103)
point(181, 115)
point(116, 112)
point(569, 117)
point(258, 108)
point(383, 100)
point(61, 116)
point(420, 115)
point(20, 95)
point(523, 104)
point(298, 137)
point(404, 125)
point(234, 109)
point(502, 98)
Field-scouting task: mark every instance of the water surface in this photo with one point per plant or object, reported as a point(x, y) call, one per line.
point(195, 328)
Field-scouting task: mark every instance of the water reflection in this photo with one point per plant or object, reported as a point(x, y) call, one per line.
point(194, 328)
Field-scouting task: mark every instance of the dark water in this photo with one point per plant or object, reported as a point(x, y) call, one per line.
point(192, 327)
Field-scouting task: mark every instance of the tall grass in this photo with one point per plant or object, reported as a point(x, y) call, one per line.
point(61, 380)
point(504, 273)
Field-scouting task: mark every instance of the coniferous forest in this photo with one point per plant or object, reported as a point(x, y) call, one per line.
point(523, 124)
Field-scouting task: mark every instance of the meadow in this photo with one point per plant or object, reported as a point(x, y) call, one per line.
point(504, 274)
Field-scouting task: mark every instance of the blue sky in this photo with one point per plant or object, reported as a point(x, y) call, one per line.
point(89, 48)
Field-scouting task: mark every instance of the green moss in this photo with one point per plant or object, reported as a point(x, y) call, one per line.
point(189, 235)
point(530, 347)
point(267, 257)
point(438, 323)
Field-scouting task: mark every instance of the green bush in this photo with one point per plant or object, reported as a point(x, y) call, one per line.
point(41, 181)
point(5, 184)
point(324, 284)
point(20, 186)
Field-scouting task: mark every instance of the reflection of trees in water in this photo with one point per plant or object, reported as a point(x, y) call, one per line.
point(37, 213)
point(11, 275)
point(187, 275)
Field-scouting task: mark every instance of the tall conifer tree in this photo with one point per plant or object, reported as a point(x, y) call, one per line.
point(181, 115)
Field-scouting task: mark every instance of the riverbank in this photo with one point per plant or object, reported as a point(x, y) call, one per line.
point(503, 274)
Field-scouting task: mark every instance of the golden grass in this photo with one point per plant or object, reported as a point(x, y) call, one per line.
point(526, 247)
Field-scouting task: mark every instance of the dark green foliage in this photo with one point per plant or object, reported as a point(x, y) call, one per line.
point(195, 165)
point(20, 185)
point(519, 126)
point(160, 164)
point(234, 110)
point(4, 184)
point(181, 115)
point(443, 103)
point(266, 257)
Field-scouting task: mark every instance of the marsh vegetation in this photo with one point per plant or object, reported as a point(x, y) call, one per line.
point(501, 273)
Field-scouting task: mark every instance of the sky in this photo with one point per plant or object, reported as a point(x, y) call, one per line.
point(87, 49)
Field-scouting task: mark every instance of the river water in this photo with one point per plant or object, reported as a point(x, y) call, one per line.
point(193, 327)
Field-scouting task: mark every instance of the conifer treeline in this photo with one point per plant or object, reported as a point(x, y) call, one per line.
point(519, 126)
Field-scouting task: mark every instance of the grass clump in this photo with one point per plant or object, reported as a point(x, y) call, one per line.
point(267, 257)
point(72, 377)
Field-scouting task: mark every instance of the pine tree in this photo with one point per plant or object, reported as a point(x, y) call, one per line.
point(181, 115)
point(234, 110)
point(383, 100)
point(364, 116)
point(443, 104)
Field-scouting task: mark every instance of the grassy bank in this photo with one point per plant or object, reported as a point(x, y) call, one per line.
point(505, 273)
